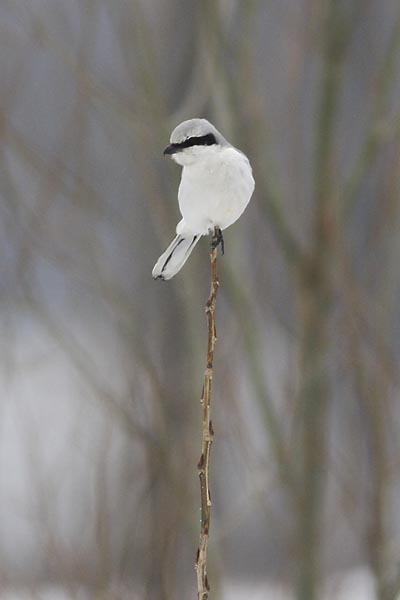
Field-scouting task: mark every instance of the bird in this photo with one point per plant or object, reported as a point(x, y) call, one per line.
point(216, 186)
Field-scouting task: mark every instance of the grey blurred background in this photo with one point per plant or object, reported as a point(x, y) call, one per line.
point(101, 367)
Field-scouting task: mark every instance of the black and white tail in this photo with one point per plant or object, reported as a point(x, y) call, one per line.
point(175, 256)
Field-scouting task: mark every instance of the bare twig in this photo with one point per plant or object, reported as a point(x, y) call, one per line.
point(207, 428)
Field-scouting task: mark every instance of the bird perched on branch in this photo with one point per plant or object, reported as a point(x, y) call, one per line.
point(216, 186)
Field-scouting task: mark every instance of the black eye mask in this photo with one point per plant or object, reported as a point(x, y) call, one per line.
point(203, 140)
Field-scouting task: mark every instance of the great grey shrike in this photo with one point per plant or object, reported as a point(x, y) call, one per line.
point(216, 186)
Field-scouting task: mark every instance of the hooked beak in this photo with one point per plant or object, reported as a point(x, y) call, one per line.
point(171, 149)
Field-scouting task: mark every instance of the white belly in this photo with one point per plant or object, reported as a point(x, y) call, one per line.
point(214, 191)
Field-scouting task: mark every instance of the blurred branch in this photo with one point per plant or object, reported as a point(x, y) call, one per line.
point(68, 182)
point(373, 368)
point(315, 299)
point(371, 388)
point(382, 128)
point(89, 81)
point(271, 200)
point(362, 312)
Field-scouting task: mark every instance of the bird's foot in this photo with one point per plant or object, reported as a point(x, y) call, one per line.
point(217, 239)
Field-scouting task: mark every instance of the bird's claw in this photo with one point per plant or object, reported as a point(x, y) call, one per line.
point(217, 239)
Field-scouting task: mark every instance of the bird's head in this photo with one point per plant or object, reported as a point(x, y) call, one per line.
point(193, 140)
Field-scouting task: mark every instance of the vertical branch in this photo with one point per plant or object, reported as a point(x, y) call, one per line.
point(207, 428)
point(315, 300)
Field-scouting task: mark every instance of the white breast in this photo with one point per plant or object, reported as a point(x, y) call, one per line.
point(215, 190)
